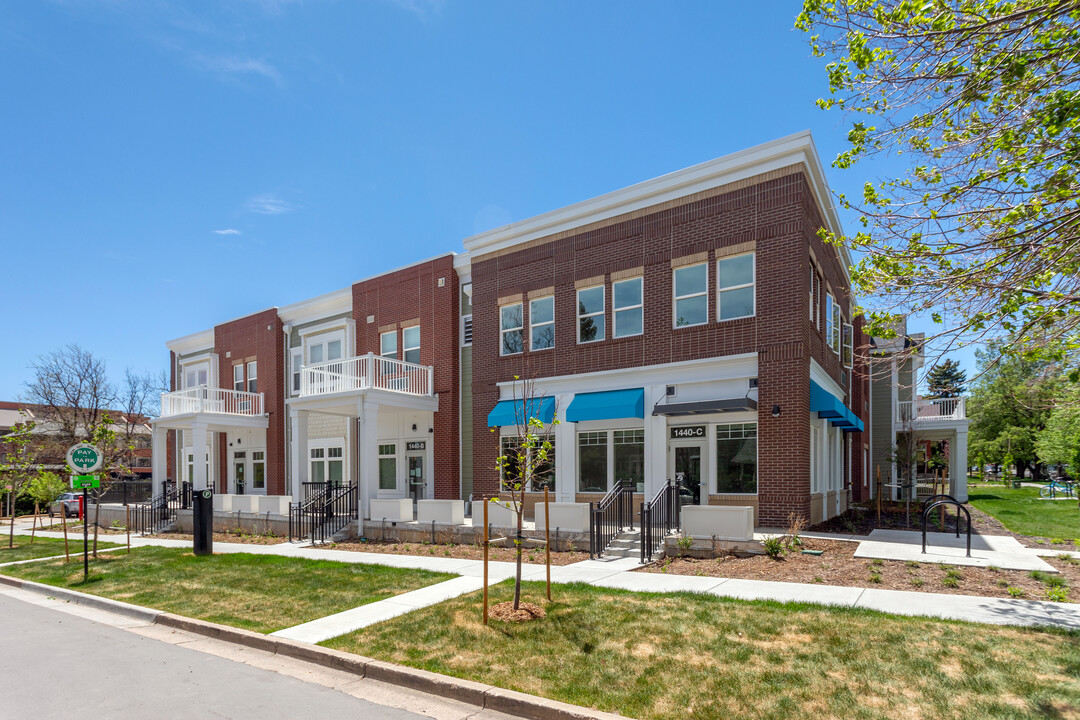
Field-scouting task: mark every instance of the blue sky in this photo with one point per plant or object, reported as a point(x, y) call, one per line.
point(168, 166)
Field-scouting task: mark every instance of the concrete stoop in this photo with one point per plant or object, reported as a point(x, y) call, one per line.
point(625, 545)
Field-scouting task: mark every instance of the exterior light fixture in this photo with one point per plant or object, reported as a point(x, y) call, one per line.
point(776, 411)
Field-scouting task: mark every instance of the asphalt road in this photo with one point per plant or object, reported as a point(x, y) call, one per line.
point(58, 665)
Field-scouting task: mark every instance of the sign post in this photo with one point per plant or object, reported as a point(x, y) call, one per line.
point(84, 459)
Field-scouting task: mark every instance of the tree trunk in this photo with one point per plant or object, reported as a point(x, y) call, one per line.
point(517, 541)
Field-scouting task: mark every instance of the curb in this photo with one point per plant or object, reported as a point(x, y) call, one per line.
point(487, 697)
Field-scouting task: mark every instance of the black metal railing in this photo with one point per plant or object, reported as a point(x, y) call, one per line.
point(152, 517)
point(941, 501)
point(127, 492)
point(610, 516)
point(324, 513)
point(659, 518)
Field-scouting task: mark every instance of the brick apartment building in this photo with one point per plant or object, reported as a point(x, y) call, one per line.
point(693, 326)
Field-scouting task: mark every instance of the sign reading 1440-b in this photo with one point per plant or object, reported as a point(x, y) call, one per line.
point(84, 458)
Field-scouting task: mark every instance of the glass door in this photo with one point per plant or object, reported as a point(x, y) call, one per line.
point(240, 472)
point(416, 476)
point(687, 472)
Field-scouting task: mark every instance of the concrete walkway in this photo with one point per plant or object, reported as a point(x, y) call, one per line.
point(617, 573)
point(1001, 551)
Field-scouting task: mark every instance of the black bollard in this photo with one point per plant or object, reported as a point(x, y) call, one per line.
point(202, 518)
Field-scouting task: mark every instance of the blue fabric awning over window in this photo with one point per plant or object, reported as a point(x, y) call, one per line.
point(610, 405)
point(827, 405)
point(507, 412)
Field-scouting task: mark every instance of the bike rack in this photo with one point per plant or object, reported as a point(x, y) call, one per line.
point(940, 501)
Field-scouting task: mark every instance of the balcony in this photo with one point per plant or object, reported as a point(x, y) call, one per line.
point(367, 372)
point(931, 411)
point(218, 401)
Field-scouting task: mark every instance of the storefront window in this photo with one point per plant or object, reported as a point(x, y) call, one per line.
point(736, 458)
point(592, 462)
point(543, 473)
point(630, 456)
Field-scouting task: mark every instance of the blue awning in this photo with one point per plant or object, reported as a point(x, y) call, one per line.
point(508, 412)
point(610, 405)
point(827, 405)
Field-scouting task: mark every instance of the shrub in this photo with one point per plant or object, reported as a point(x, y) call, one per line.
point(1057, 594)
point(875, 577)
point(775, 547)
point(1015, 592)
point(950, 581)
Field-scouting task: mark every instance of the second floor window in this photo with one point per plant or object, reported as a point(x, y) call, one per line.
point(252, 376)
point(238, 377)
point(510, 330)
point(410, 344)
point(691, 303)
point(297, 362)
point(542, 323)
point(388, 344)
point(735, 287)
point(626, 306)
point(591, 314)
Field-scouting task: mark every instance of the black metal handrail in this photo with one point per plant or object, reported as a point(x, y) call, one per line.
point(324, 514)
point(927, 509)
point(659, 517)
point(610, 516)
point(152, 517)
point(127, 492)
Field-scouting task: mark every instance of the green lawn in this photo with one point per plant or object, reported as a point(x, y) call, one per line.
point(257, 592)
point(695, 656)
point(1023, 512)
point(42, 547)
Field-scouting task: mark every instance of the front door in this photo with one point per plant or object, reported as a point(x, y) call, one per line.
point(686, 470)
point(240, 465)
point(417, 478)
point(249, 472)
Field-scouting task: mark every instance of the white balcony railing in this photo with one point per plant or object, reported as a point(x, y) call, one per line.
point(367, 372)
point(941, 410)
point(203, 399)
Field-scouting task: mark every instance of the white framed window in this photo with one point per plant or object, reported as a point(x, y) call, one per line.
point(542, 323)
point(252, 376)
point(258, 471)
point(238, 377)
point(388, 467)
point(848, 344)
point(388, 344)
point(323, 348)
point(813, 277)
point(410, 344)
point(593, 462)
point(829, 319)
point(626, 306)
point(196, 375)
point(837, 324)
point(297, 364)
point(690, 286)
point(590, 302)
point(736, 458)
point(609, 456)
point(511, 327)
point(735, 287)
point(328, 464)
point(543, 473)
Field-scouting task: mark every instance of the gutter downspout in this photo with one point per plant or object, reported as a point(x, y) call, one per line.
point(287, 387)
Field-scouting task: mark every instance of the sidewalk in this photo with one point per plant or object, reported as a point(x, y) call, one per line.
point(617, 573)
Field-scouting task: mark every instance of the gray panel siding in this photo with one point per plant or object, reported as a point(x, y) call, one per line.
point(466, 423)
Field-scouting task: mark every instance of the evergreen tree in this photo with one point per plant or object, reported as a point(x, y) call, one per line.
point(946, 380)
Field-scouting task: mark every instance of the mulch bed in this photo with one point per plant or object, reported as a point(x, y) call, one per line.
point(526, 611)
point(72, 528)
point(462, 552)
point(838, 566)
point(225, 537)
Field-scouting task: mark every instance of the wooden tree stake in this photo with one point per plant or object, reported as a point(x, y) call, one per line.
point(879, 496)
point(127, 526)
point(547, 540)
point(485, 561)
point(33, 526)
point(63, 524)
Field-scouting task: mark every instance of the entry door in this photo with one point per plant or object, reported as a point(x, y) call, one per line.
point(249, 472)
point(240, 475)
point(686, 468)
point(417, 478)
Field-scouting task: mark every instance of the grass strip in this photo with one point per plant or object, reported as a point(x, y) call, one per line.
point(1022, 511)
point(43, 547)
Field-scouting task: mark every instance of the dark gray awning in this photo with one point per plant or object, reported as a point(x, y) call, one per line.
point(705, 407)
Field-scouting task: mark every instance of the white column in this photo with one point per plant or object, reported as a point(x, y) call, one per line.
point(199, 447)
point(656, 442)
point(565, 453)
point(958, 462)
point(299, 444)
point(159, 459)
point(368, 412)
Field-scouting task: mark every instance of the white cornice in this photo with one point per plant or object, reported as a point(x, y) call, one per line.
point(780, 153)
point(316, 308)
point(202, 340)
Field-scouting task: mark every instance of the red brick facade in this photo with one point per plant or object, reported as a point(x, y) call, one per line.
point(426, 294)
point(776, 215)
point(259, 337)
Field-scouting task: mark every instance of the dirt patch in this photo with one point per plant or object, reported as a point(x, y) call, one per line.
point(837, 565)
point(526, 611)
point(461, 552)
point(225, 537)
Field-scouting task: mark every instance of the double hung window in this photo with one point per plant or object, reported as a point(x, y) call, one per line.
point(735, 287)
point(691, 306)
point(591, 314)
point(542, 323)
point(626, 304)
point(252, 376)
point(410, 344)
point(511, 326)
point(238, 377)
point(388, 344)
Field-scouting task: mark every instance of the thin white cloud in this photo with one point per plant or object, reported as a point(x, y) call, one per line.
point(422, 9)
point(268, 204)
point(232, 66)
point(228, 231)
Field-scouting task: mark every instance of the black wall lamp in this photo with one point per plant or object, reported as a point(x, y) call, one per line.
point(776, 411)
